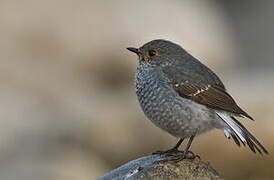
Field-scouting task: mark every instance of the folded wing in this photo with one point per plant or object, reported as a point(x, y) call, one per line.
point(212, 96)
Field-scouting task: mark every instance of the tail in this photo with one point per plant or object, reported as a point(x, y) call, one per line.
point(239, 132)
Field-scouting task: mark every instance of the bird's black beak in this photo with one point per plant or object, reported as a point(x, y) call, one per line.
point(135, 50)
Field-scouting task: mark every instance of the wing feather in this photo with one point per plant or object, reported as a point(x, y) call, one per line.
point(212, 96)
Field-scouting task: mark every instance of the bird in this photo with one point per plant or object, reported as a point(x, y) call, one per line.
point(185, 98)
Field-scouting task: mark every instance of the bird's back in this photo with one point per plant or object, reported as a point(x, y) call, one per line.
point(186, 67)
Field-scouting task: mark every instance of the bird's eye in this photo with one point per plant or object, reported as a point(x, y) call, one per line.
point(151, 53)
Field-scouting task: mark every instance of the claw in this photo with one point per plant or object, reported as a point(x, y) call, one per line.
point(177, 157)
point(167, 152)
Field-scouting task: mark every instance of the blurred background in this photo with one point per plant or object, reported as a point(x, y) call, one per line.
point(68, 108)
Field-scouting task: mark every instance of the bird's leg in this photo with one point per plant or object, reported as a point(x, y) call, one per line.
point(187, 154)
point(172, 150)
point(178, 143)
point(186, 151)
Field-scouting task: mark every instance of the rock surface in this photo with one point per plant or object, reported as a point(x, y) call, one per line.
point(157, 167)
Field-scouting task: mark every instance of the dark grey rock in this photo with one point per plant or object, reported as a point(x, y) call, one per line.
point(156, 167)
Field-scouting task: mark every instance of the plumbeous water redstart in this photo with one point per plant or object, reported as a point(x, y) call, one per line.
point(182, 96)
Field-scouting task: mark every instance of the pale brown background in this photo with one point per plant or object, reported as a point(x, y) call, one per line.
point(68, 109)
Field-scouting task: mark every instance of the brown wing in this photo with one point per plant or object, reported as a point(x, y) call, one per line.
point(212, 96)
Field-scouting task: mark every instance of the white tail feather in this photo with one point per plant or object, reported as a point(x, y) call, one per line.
point(233, 125)
point(227, 133)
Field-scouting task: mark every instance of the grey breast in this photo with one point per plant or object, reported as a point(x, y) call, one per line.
point(162, 105)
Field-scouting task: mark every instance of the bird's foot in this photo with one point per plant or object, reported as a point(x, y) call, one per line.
point(187, 155)
point(168, 152)
point(180, 155)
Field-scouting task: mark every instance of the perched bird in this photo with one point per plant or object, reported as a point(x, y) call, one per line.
point(182, 96)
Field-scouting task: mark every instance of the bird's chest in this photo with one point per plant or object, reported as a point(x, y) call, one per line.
point(154, 94)
point(148, 91)
point(162, 105)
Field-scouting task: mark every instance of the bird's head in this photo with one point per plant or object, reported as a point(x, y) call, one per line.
point(158, 51)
